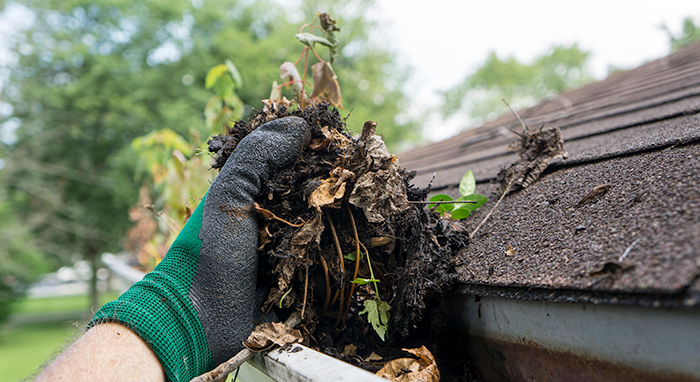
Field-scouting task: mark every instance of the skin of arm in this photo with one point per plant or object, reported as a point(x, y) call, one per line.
point(107, 352)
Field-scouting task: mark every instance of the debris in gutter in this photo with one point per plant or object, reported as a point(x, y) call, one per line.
point(536, 149)
point(595, 194)
point(342, 230)
point(422, 369)
point(264, 337)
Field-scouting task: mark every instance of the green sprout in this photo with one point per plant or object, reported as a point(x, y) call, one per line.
point(467, 186)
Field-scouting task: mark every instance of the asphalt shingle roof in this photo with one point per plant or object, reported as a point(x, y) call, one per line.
point(637, 131)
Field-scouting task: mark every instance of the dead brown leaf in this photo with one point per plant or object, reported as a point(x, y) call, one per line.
point(326, 87)
point(380, 191)
point(373, 357)
point(267, 335)
point(510, 251)
point(289, 73)
point(327, 194)
point(310, 232)
point(350, 351)
point(594, 194)
point(423, 369)
point(264, 236)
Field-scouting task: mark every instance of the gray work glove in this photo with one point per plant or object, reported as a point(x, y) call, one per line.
point(197, 306)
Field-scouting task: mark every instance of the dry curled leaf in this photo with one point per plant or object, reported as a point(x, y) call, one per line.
point(594, 194)
point(510, 251)
point(289, 73)
point(269, 334)
point(350, 351)
point(536, 149)
point(380, 192)
point(328, 193)
point(326, 87)
point(373, 357)
point(309, 233)
point(423, 369)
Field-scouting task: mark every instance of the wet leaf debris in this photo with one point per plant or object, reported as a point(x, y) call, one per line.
point(338, 236)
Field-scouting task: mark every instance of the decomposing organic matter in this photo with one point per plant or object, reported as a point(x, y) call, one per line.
point(341, 243)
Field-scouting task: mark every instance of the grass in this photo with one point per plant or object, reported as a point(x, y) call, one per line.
point(23, 348)
point(60, 304)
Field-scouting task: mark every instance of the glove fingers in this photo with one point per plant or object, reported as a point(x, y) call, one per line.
point(224, 287)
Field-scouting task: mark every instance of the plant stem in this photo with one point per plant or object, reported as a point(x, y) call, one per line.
point(306, 291)
point(371, 273)
point(342, 269)
point(328, 282)
point(357, 260)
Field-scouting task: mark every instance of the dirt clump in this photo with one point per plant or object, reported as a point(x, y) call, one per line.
point(342, 195)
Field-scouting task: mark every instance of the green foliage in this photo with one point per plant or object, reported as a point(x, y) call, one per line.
point(325, 81)
point(361, 281)
point(377, 310)
point(20, 260)
point(467, 186)
point(224, 107)
point(91, 76)
point(378, 315)
point(689, 34)
point(479, 94)
point(353, 256)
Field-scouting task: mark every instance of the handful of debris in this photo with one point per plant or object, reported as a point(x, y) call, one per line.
point(345, 240)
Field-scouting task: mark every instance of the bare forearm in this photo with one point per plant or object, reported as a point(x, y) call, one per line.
point(106, 352)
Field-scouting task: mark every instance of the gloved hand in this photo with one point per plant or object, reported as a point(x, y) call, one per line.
point(197, 306)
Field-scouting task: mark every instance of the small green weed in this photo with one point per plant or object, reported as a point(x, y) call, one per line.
point(467, 186)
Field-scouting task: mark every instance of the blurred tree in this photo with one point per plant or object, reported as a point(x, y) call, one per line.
point(88, 76)
point(689, 34)
point(479, 94)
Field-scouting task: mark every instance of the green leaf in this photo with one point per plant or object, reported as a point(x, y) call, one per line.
point(309, 40)
point(460, 213)
point(442, 207)
point(352, 256)
point(235, 74)
point(479, 199)
point(378, 315)
point(360, 281)
point(214, 74)
point(467, 185)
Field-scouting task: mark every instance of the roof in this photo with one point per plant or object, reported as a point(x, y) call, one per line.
point(637, 131)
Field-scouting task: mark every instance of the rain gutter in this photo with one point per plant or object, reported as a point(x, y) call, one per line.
point(526, 340)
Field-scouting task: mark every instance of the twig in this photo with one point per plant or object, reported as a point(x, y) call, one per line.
point(505, 192)
point(627, 251)
point(223, 370)
point(269, 215)
point(342, 268)
point(168, 222)
point(357, 260)
point(445, 202)
point(516, 115)
point(328, 282)
point(306, 290)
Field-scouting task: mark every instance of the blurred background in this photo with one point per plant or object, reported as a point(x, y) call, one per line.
point(106, 107)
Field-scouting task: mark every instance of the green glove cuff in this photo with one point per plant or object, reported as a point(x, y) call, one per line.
point(158, 308)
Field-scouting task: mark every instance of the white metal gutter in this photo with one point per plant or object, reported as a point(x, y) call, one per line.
point(301, 364)
point(538, 340)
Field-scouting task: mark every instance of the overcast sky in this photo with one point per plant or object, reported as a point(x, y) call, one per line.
point(445, 40)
